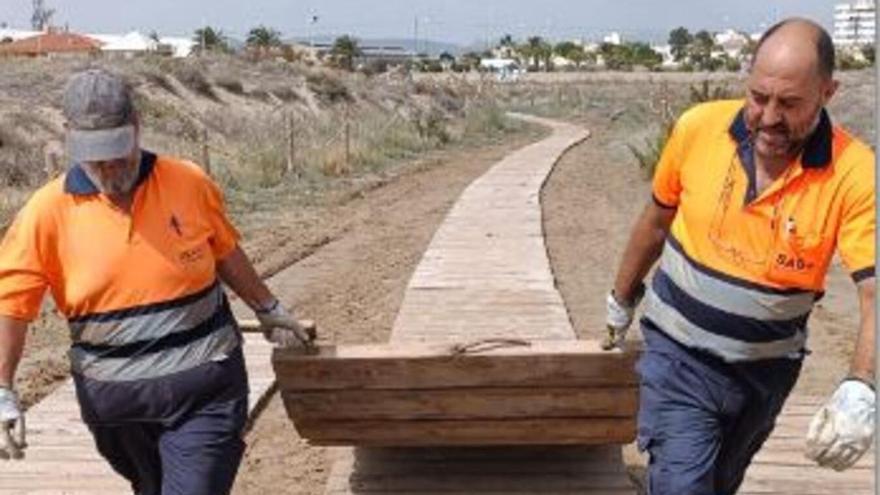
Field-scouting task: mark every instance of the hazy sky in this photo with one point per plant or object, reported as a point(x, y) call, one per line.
point(458, 21)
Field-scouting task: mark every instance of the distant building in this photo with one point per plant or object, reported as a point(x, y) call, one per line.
point(177, 47)
point(7, 35)
point(51, 44)
point(665, 51)
point(135, 43)
point(505, 68)
point(391, 54)
point(732, 42)
point(126, 45)
point(855, 23)
point(614, 38)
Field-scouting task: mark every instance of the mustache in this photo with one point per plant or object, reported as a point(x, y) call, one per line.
point(774, 129)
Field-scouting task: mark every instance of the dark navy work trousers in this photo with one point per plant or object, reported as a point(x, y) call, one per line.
point(176, 435)
point(701, 419)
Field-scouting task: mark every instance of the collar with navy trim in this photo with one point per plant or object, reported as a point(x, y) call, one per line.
point(817, 150)
point(78, 183)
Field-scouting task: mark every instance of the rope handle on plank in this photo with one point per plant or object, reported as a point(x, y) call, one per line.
point(484, 345)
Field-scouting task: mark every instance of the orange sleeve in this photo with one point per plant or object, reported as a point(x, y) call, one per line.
point(855, 238)
point(23, 271)
point(666, 186)
point(225, 237)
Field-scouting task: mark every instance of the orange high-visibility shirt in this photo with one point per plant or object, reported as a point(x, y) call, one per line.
point(97, 259)
point(784, 237)
point(741, 270)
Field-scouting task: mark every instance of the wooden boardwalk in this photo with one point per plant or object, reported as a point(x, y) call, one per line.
point(486, 275)
point(781, 468)
point(61, 458)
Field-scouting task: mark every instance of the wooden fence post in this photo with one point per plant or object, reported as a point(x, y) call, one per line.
point(347, 138)
point(291, 143)
point(206, 152)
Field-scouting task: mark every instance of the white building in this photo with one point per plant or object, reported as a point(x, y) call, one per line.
point(136, 43)
point(855, 23)
point(9, 34)
point(506, 69)
point(665, 51)
point(129, 44)
point(614, 38)
point(732, 42)
point(180, 47)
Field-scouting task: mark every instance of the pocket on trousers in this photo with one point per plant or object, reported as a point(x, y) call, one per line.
point(654, 371)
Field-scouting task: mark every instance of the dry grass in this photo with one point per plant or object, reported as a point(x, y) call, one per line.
point(634, 102)
point(248, 137)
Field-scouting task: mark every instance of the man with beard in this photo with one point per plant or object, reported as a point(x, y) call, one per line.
point(751, 199)
point(133, 247)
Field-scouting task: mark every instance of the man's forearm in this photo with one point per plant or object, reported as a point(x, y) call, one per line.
point(644, 247)
point(237, 271)
point(12, 337)
point(862, 366)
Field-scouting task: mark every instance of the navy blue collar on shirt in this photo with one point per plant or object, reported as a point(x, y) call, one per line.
point(78, 183)
point(817, 150)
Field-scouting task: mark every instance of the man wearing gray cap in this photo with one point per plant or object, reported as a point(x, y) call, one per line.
point(133, 247)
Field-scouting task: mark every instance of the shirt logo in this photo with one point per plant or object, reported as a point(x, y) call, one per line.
point(192, 256)
point(793, 263)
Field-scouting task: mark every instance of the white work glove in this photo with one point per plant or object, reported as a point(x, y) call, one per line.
point(619, 317)
point(843, 429)
point(11, 425)
point(282, 329)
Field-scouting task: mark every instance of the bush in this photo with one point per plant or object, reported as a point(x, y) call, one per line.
point(20, 161)
point(161, 81)
point(732, 65)
point(328, 88)
point(706, 92)
point(846, 61)
point(373, 67)
point(649, 157)
point(431, 125)
point(232, 85)
point(194, 80)
point(286, 94)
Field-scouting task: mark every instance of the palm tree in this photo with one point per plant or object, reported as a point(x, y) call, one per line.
point(210, 39)
point(507, 44)
point(470, 61)
point(263, 38)
point(42, 16)
point(536, 50)
point(701, 51)
point(571, 51)
point(680, 40)
point(345, 50)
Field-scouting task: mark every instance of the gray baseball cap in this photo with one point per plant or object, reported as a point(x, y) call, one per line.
point(98, 107)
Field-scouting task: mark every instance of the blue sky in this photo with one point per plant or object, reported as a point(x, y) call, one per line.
point(457, 21)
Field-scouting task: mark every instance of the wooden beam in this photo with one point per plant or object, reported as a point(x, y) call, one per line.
point(548, 363)
point(569, 431)
point(463, 403)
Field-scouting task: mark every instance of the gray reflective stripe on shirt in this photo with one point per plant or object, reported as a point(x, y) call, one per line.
point(686, 333)
point(215, 345)
point(732, 298)
point(148, 326)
